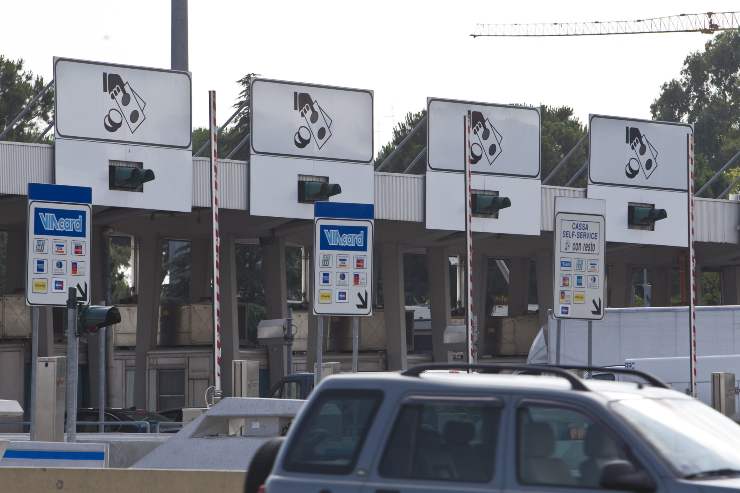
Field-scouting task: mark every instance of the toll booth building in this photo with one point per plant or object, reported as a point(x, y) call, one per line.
point(156, 267)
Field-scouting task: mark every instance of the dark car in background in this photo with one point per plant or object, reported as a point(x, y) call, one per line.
point(121, 420)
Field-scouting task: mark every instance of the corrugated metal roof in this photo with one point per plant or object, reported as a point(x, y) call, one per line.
point(233, 182)
point(399, 197)
point(716, 221)
point(21, 164)
point(548, 202)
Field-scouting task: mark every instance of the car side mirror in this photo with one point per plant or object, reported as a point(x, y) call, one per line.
point(622, 475)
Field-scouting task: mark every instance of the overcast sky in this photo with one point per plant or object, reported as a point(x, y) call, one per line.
point(404, 50)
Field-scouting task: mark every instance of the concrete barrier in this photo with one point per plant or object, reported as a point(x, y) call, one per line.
point(31, 480)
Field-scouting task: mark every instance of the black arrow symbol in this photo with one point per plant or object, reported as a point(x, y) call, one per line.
point(363, 301)
point(83, 292)
point(597, 308)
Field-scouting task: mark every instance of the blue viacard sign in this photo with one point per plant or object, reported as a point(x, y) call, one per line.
point(345, 238)
point(59, 222)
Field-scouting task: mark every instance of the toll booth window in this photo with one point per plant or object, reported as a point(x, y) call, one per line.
point(333, 431)
point(448, 441)
point(176, 275)
point(294, 271)
point(250, 291)
point(642, 287)
point(498, 287)
point(170, 389)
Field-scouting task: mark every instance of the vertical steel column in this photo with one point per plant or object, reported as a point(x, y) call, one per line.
point(72, 350)
point(558, 338)
point(179, 35)
point(590, 358)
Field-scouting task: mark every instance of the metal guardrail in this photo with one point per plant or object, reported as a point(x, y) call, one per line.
point(157, 427)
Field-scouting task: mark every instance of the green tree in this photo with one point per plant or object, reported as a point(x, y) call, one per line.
point(18, 86)
point(235, 132)
point(560, 132)
point(412, 148)
point(707, 94)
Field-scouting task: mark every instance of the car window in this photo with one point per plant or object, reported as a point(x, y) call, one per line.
point(331, 435)
point(559, 446)
point(443, 440)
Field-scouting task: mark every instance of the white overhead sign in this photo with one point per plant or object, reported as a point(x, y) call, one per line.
point(58, 256)
point(120, 103)
point(579, 253)
point(112, 116)
point(638, 153)
point(343, 259)
point(311, 121)
point(503, 140)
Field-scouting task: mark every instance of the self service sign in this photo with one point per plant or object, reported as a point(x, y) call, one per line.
point(579, 253)
point(58, 254)
point(343, 259)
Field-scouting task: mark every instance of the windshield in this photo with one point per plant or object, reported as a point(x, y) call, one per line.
point(691, 436)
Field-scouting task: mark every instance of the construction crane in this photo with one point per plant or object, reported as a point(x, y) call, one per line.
point(707, 23)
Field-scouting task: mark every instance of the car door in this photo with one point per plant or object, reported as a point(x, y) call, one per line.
point(559, 448)
point(441, 444)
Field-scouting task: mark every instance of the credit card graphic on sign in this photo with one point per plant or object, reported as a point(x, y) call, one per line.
point(317, 121)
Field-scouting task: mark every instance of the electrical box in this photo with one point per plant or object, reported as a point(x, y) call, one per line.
point(48, 419)
point(246, 378)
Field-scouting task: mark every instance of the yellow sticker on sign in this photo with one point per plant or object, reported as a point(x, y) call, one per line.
point(325, 296)
point(579, 297)
point(40, 285)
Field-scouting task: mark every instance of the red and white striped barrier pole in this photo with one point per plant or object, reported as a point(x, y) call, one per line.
point(216, 246)
point(692, 273)
point(469, 322)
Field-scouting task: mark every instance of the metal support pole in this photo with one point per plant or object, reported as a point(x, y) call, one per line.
point(216, 251)
point(401, 144)
point(179, 35)
point(692, 274)
point(319, 349)
point(469, 322)
point(34, 360)
point(241, 143)
point(577, 175)
point(729, 163)
point(565, 159)
point(557, 343)
point(590, 358)
point(355, 344)
point(415, 160)
point(25, 110)
point(72, 350)
point(101, 378)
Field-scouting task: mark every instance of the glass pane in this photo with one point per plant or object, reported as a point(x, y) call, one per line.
point(443, 441)
point(292, 390)
point(498, 287)
point(120, 253)
point(129, 397)
point(332, 434)
point(176, 265)
point(170, 389)
point(711, 288)
point(250, 291)
point(415, 279)
point(294, 273)
point(562, 447)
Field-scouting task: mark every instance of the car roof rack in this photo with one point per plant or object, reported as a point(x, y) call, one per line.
point(650, 379)
point(575, 382)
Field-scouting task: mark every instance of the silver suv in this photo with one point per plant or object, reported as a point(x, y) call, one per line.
point(541, 429)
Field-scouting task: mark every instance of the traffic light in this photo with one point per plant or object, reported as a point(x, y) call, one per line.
point(488, 203)
point(127, 178)
point(644, 215)
point(91, 318)
point(316, 191)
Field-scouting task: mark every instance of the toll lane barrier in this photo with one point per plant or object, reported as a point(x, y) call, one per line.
point(33, 480)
